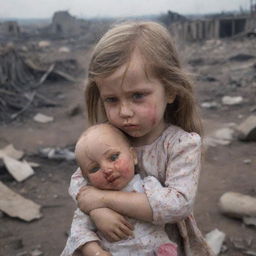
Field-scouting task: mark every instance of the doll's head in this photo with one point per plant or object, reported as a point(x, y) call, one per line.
point(105, 157)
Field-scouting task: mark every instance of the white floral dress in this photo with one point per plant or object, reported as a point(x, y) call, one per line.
point(172, 163)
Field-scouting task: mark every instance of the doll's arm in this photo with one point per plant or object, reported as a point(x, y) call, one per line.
point(82, 232)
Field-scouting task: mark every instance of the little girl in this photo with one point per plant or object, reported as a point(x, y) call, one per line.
point(136, 83)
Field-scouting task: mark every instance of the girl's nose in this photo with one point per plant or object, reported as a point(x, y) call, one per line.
point(125, 110)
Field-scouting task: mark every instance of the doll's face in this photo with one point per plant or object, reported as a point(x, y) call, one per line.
point(106, 158)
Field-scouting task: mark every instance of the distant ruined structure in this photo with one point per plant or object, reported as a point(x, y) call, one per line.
point(222, 26)
point(9, 28)
point(65, 24)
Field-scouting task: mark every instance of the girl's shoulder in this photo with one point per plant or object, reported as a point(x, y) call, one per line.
point(176, 134)
point(173, 136)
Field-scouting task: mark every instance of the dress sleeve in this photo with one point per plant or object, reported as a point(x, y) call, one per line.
point(82, 231)
point(173, 201)
point(77, 181)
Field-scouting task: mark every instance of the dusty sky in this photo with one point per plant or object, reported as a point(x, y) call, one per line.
point(116, 8)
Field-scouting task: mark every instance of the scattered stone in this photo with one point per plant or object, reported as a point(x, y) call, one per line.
point(36, 252)
point(11, 152)
point(228, 100)
point(242, 57)
point(247, 161)
point(64, 49)
point(210, 105)
point(251, 253)
point(249, 221)
point(215, 239)
point(33, 164)
point(57, 153)
point(238, 243)
point(19, 170)
point(41, 118)
point(74, 110)
point(253, 109)
point(15, 205)
point(44, 44)
point(247, 129)
point(25, 253)
point(237, 205)
point(222, 136)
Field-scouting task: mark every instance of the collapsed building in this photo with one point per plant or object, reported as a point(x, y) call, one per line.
point(219, 26)
point(64, 24)
point(216, 28)
point(9, 28)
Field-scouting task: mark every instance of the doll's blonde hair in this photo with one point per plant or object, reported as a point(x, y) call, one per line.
point(154, 43)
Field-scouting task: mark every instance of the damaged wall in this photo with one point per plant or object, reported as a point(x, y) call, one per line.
point(65, 24)
point(9, 28)
point(220, 27)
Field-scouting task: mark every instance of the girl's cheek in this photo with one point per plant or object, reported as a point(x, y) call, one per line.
point(149, 111)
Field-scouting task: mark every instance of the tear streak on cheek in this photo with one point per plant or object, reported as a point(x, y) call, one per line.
point(151, 114)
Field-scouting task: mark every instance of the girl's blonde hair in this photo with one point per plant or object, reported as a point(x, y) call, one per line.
point(161, 61)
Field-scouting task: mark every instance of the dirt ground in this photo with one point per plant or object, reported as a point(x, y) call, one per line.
point(223, 168)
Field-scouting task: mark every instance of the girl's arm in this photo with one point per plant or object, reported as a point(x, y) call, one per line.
point(131, 204)
point(162, 204)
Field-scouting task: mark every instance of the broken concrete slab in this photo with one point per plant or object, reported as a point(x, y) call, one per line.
point(222, 136)
point(41, 118)
point(247, 129)
point(19, 170)
point(10, 151)
point(57, 153)
point(249, 221)
point(215, 239)
point(237, 205)
point(15, 205)
point(228, 100)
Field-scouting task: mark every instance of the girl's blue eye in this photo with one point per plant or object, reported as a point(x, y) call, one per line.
point(114, 157)
point(94, 169)
point(111, 100)
point(137, 96)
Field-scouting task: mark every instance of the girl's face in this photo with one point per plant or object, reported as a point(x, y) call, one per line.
point(134, 102)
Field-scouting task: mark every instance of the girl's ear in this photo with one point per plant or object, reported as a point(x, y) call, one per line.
point(170, 97)
point(134, 155)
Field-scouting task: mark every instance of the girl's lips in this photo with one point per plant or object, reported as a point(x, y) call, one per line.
point(130, 126)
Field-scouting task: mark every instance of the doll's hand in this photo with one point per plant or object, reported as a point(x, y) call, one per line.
point(90, 198)
point(113, 226)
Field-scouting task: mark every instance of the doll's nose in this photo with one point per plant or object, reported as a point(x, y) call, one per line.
point(107, 171)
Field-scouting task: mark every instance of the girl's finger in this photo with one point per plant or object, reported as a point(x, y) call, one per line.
point(127, 223)
point(114, 237)
point(121, 235)
point(128, 232)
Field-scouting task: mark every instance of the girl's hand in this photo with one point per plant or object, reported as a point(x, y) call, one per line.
point(90, 198)
point(113, 226)
point(92, 249)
